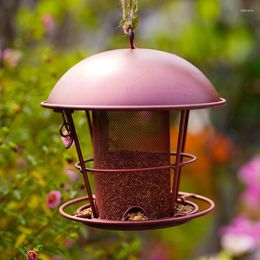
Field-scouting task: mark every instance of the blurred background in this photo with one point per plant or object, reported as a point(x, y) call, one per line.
point(41, 39)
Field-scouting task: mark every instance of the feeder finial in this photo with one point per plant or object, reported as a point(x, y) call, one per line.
point(130, 19)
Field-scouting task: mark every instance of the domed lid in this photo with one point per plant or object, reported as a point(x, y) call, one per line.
point(136, 79)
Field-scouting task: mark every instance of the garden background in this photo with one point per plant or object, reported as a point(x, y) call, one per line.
point(41, 39)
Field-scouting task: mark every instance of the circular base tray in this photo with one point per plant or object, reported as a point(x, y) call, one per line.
point(143, 224)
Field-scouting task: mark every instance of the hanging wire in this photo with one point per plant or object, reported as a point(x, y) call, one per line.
point(130, 19)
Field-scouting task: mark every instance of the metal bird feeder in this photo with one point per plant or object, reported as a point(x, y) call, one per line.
point(128, 96)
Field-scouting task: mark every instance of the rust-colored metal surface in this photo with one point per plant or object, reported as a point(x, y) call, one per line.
point(136, 79)
point(131, 140)
point(191, 158)
point(183, 127)
point(127, 96)
point(72, 134)
point(187, 199)
point(132, 169)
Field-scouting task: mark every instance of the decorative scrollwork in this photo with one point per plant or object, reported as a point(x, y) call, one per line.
point(65, 133)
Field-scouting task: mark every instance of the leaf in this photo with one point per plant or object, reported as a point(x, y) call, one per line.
point(21, 219)
point(23, 251)
point(122, 22)
point(130, 19)
point(17, 194)
point(53, 250)
point(32, 160)
point(38, 248)
point(12, 145)
point(135, 23)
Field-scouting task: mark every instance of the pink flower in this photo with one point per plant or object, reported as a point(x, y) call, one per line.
point(20, 161)
point(11, 57)
point(53, 199)
point(237, 245)
point(65, 186)
point(241, 236)
point(68, 242)
point(56, 257)
point(71, 174)
point(32, 255)
point(249, 173)
point(158, 251)
point(251, 197)
point(48, 22)
point(256, 232)
point(240, 225)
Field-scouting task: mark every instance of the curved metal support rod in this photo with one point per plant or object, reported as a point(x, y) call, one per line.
point(82, 163)
point(130, 170)
point(180, 148)
point(186, 119)
point(89, 125)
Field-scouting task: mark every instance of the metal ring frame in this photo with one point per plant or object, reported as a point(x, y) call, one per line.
point(173, 166)
point(68, 123)
point(59, 107)
point(143, 224)
point(174, 195)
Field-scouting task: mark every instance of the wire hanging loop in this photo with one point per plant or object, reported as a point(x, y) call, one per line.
point(65, 132)
point(130, 19)
point(131, 38)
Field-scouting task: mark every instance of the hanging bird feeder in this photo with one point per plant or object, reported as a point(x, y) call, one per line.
point(128, 96)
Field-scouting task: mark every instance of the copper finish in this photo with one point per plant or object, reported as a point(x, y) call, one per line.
point(127, 96)
point(131, 38)
point(132, 139)
point(81, 160)
point(133, 79)
point(208, 205)
point(58, 107)
point(180, 149)
point(89, 125)
point(152, 169)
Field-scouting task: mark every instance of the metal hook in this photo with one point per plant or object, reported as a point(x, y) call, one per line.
point(67, 133)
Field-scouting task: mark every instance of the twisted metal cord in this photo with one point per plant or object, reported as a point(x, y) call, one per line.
point(131, 38)
point(130, 19)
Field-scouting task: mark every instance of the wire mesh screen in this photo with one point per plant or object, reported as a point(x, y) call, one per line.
point(130, 140)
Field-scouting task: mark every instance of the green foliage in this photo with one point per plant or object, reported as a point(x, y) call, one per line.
point(130, 20)
point(51, 36)
point(33, 160)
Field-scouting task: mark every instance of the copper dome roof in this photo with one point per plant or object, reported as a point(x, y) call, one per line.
point(133, 79)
